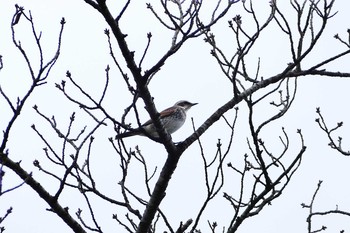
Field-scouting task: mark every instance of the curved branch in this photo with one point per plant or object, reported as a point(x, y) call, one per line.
point(40, 190)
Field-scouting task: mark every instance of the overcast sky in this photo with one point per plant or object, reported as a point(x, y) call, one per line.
point(192, 75)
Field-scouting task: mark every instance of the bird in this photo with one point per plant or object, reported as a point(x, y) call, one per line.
point(172, 119)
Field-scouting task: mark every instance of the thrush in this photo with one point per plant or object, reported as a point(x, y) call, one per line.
point(172, 119)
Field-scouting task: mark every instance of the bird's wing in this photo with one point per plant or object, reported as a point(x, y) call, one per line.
point(164, 113)
point(167, 112)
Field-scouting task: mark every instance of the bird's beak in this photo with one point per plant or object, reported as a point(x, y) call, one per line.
point(193, 104)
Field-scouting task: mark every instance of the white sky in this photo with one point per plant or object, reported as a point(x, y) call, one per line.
point(191, 74)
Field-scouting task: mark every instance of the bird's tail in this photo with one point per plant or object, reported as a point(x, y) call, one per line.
point(127, 134)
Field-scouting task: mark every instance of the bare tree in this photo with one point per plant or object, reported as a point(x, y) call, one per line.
point(263, 171)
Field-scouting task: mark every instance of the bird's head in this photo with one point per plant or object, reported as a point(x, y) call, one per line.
point(184, 104)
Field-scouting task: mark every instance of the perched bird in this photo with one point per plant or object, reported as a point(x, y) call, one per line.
point(172, 119)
